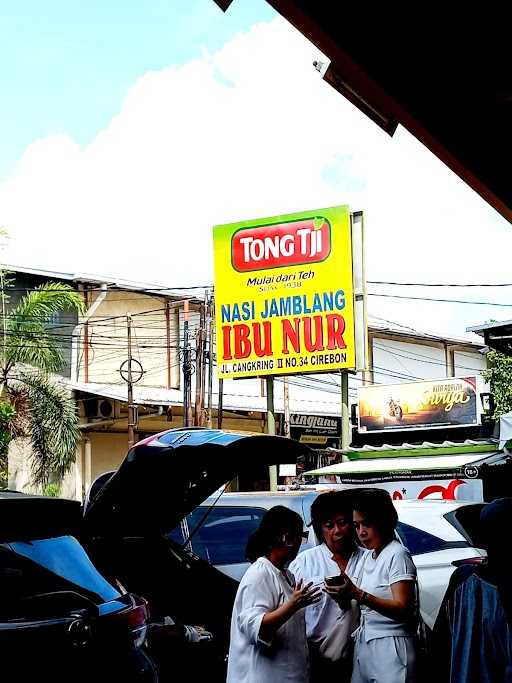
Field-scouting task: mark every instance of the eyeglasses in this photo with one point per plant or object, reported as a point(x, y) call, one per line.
point(290, 537)
point(304, 535)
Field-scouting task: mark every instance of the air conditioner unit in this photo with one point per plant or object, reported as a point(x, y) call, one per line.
point(106, 408)
point(101, 408)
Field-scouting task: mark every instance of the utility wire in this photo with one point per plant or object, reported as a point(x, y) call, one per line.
point(448, 301)
point(172, 290)
point(439, 284)
point(420, 358)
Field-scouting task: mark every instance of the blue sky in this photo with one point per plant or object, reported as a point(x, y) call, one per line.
point(67, 64)
point(139, 124)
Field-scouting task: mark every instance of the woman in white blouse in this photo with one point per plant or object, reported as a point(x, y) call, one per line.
point(329, 628)
point(385, 640)
point(268, 633)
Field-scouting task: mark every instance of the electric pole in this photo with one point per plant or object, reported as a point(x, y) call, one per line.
point(200, 367)
point(271, 428)
point(219, 405)
point(187, 371)
point(132, 411)
point(209, 332)
point(286, 400)
point(346, 436)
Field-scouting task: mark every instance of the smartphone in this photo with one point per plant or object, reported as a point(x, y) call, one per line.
point(338, 580)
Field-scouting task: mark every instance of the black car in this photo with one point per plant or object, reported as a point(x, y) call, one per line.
point(60, 619)
point(130, 514)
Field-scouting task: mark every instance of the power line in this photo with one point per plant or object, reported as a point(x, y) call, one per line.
point(405, 327)
point(448, 301)
point(176, 290)
point(111, 286)
point(420, 358)
point(61, 315)
point(438, 284)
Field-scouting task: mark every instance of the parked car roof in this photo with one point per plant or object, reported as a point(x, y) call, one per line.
point(447, 504)
point(429, 515)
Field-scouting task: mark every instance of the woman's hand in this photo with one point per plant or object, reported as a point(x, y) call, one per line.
point(304, 595)
point(301, 597)
point(399, 608)
point(343, 592)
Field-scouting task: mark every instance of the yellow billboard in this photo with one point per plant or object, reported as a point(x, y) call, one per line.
point(284, 298)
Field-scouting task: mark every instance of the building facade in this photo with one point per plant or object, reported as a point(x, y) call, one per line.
point(168, 332)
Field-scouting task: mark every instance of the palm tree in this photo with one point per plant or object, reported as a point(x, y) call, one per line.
point(30, 352)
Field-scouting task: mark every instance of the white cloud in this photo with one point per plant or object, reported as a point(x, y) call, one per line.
point(249, 131)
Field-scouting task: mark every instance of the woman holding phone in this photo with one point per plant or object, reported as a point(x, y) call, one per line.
point(268, 632)
point(385, 640)
point(329, 628)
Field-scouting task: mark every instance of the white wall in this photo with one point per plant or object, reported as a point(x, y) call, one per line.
point(395, 362)
point(468, 364)
point(107, 334)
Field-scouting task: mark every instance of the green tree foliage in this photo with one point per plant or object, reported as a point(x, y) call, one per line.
point(499, 376)
point(7, 415)
point(52, 490)
point(30, 352)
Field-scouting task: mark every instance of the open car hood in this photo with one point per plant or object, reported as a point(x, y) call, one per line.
point(165, 477)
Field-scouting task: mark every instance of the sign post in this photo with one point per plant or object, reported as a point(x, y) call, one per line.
point(345, 413)
point(286, 407)
point(271, 428)
point(287, 288)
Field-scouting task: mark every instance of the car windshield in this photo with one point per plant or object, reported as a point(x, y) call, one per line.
point(64, 558)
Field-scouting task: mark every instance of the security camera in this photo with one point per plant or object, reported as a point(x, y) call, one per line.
point(321, 67)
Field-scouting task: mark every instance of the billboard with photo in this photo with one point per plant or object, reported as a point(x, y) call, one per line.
point(284, 294)
point(447, 402)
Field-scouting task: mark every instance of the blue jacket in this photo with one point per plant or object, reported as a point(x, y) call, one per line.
point(472, 639)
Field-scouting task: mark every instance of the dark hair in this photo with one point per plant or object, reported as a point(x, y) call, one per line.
point(274, 524)
point(377, 507)
point(326, 505)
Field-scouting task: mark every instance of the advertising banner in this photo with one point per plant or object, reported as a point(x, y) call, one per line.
point(284, 296)
point(428, 489)
point(316, 431)
point(448, 402)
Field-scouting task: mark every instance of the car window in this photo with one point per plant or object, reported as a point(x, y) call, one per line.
point(418, 541)
point(222, 537)
point(178, 534)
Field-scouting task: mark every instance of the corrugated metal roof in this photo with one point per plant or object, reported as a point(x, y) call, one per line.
point(111, 281)
point(119, 392)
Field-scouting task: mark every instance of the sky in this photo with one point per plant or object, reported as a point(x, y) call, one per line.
point(129, 130)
